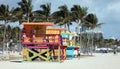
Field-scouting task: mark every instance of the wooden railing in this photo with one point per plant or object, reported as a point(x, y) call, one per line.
point(42, 39)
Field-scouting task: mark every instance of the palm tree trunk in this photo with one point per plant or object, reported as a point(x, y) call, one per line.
point(88, 42)
point(91, 49)
point(28, 19)
point(92, 41)
point(68, 28)
point(20, 40)
point(4, 37)
point(20, 32)
point(80, 42)
point(65, 27)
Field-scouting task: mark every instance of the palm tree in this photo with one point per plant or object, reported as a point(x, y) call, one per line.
point(57, 18)
point(15, 34)
point(92, 22)
point(18, 14)
point(43, 14)
point(63, 16)
point(78, 14)
point(46, 8)
point(26, 6)
point(6, 16)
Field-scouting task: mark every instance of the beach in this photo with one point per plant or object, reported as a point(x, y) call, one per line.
point(98, 61)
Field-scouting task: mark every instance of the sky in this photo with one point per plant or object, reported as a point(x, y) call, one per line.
point(107, 11)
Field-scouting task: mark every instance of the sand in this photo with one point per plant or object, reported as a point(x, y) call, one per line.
point(99, 61)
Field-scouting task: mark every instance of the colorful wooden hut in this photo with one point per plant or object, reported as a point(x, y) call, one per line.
point(63, 48)
point(40, 44)
point(71, 49)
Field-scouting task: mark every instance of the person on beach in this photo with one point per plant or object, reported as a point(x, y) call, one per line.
point(115, 49)
point(23, 34)
point(75, 53)
point(32, 35)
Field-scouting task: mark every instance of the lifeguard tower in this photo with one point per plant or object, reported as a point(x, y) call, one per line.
point(40, 43)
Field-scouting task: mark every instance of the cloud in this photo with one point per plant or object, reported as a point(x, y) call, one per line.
point(107, 11)
point(113, 11)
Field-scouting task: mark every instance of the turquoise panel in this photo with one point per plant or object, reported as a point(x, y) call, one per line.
point(70, 52)
point(65, 35)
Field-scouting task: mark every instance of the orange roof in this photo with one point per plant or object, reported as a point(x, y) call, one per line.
point(56, 28)
point(38, 23)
